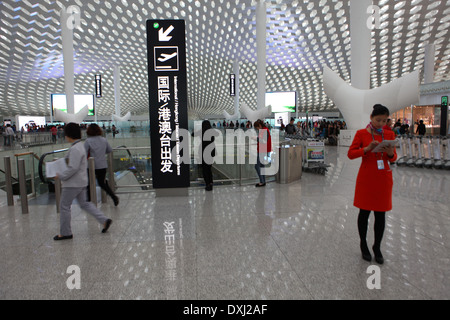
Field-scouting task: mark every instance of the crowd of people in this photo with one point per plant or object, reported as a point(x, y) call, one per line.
point(232, 124)
point(400, 128)
point(11, 134)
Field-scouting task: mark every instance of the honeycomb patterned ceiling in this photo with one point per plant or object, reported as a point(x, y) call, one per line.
point(302, 36)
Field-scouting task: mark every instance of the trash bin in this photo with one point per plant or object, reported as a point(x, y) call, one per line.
point(290, 164)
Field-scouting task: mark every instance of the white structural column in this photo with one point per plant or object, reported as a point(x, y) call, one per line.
point(117, 90)
point(69, 72)
point(430, 50)
point(236, 97)
point(356, 101)
point(360, 44)
point(261, 37)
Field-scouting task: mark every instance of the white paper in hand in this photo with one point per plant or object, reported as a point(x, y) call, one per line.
point(385, 143)
point(55, 168)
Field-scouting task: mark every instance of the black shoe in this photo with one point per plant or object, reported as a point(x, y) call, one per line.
point(107, 225)
point(209, 187)
point(378, 256)
point(116, 201)
point(365, 252)
point(58, 237)
point(260, 185)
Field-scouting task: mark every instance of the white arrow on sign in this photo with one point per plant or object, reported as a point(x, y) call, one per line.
point(164, 35)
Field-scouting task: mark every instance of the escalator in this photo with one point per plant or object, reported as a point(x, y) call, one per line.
point(138, 165)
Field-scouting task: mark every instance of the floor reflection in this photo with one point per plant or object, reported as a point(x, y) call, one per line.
point(293, 241)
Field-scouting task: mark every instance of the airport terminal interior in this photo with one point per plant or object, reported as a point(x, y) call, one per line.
point(317, 63)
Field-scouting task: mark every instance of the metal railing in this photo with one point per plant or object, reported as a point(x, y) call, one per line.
point(29, 175)
point(22, 181)
point(9, 181)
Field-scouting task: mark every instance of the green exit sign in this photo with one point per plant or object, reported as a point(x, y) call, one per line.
point(444, 101)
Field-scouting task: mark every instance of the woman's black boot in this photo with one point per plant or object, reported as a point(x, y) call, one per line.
point(365, 252)
point(378, 256)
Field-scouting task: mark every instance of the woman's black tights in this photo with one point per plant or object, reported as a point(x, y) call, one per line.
point(380, 222)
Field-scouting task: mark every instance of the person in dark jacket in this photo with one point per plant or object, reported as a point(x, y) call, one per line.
point(421, 129)
point(290, 128)
point(208, 156)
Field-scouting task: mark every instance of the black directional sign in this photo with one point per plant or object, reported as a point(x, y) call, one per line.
point(444, 115)
point(232, 85)
point(98, 85)
point(167, 80)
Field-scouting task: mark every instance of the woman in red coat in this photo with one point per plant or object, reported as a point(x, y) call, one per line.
point(374, 183)
point(264, 147)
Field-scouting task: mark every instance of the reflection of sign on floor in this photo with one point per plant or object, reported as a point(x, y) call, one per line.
point(166, 59)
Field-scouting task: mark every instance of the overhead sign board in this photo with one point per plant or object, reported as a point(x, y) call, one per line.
point(232, 85)
point(444, 116)
point(167, 80)
point(98, 86)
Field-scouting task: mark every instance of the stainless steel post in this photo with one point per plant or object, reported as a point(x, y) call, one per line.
point(23, 186)
point(58, 194)
point(92, 181)
point(8, 181)
point(111, 181)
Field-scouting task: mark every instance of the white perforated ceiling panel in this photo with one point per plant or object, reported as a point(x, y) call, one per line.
point(301, 37)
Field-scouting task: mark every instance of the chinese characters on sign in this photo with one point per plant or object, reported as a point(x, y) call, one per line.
point(165, 129)
point(167, 101)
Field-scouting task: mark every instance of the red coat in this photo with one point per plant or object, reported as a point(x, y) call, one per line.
point(264, 135)
point(373, 186)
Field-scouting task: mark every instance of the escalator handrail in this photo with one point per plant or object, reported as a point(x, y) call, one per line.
point(41, 163)
point(129, 153)
point(11, 176)
point(123, 148)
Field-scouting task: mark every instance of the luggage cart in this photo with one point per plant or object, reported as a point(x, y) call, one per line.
point(429, 153)
point(438, 161)
point(404, 152)
point(314, 159)
point(412, 152)
point(420, 156)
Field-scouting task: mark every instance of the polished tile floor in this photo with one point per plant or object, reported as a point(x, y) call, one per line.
point(295, 241)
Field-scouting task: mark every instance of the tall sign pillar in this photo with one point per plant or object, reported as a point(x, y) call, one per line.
point(167, 80)
point(444, 116)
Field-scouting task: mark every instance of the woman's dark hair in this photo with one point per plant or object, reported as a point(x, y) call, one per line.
point(259, 123)
point(379, 110)
point(94, 130)
point(72, 130)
